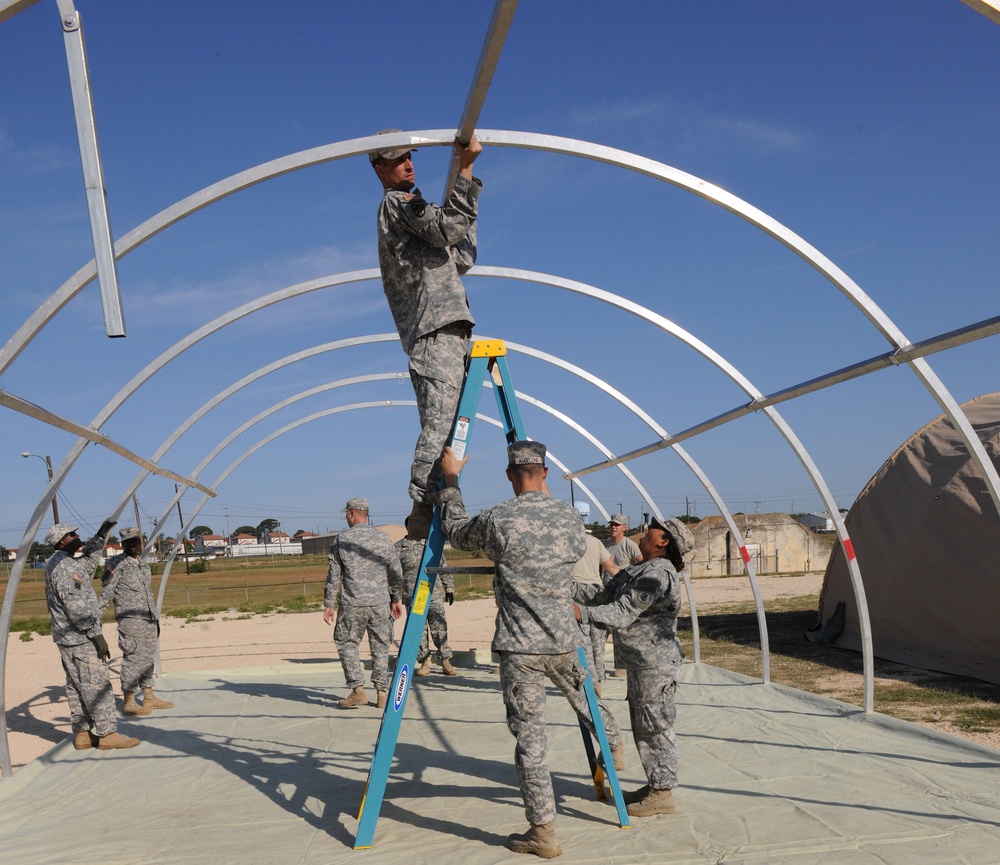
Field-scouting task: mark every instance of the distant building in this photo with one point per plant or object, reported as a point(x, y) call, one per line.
point(243, 539)
point(817, 522)
point(775, 543)
point(319, 545)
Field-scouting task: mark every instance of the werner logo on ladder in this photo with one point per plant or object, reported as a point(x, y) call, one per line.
point(533, 541)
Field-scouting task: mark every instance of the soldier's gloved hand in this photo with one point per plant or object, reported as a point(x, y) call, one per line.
point(449, 597)
point(97, 542)
point(103, 652)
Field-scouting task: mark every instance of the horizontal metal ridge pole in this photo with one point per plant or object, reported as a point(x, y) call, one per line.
point(478, 569)
point(959, 336)
point(44, 415)
point(496, 35)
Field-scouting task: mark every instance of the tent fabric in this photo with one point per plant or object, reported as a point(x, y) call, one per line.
point(258, 767)
point(927, 535)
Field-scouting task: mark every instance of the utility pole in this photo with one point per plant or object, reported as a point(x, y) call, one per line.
point(180, 516)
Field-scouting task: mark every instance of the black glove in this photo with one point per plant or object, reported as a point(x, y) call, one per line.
point(97, 542)
point(449, 597)
point(103, 652)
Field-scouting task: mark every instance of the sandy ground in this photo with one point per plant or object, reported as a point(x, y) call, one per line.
point(38, 715)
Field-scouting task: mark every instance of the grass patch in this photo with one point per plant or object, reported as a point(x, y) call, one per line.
point(41, 625)
point(730, 639)
point(191, 614)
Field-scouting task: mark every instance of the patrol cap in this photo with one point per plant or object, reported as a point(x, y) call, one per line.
point(358, 504)
point(680, 534)
point(525, 454)
point(131, 533)
point(392, 153)
point(58, 532)
point(618, 519)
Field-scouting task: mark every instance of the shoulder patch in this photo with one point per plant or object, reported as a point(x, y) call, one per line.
point(416, 202)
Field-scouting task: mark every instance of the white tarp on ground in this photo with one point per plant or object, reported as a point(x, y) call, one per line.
point(927, 538)
point(257, 766)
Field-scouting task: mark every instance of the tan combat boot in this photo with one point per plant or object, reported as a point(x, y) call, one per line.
point(597, 688)
point(85, 739)
point(618, 756)
point(635, 795)
point(540, 840)
point(447, 668)
point(131, 707)
point(424, 669)
point(357, 697)
point(654, 802)
point(114, 741)
point(381, 698)
point(151, 701)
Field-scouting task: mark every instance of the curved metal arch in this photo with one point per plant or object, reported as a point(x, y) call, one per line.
point(611, 156)
point(554, 144)
point(775, 417)
point(527, 350)
point(288, 428)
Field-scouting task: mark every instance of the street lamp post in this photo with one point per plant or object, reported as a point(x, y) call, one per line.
point(48, 468)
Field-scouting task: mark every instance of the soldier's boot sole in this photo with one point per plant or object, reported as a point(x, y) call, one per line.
point(538, 840)
point(151, 701)
point(116, 741)
point(131, 707)
point(418, 523)
point(654, 802)
point(357, 697)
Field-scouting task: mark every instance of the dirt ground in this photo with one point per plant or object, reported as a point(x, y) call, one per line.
point(37, 713)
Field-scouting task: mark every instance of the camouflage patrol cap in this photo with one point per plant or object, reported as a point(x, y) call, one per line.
point(58, 532)
point(525, 454)
point(618, 519)
point(392, 153)
point(357, 504)
point(131, 533)
point(679, 533)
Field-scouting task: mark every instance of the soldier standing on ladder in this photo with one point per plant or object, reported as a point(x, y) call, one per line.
point(422, 251)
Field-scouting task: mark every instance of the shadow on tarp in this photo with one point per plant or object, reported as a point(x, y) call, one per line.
point(255, 766)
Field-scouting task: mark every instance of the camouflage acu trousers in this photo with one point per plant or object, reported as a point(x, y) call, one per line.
point(436, 629)
point(88, 690)
point(437, 370)
point(651, 692)
point(353, 623)
point(522, 678)
point(594, 639)
point(137, 641)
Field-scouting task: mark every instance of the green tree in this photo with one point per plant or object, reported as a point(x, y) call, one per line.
point(268, 525)
point(245, 530)
point(201, 530)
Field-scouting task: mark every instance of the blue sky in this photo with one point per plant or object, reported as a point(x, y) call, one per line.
point(870, 128)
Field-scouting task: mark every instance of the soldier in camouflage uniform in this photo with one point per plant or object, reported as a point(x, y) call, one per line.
point(365, 572)
point(533, 541)
point(423, 249)
point(588, 571)
point(127, 582)
point(624, 552)
point(641, 603)
point(76, 630)
point(411, 551)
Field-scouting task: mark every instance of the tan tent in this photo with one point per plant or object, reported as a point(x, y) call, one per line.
point(927, 538)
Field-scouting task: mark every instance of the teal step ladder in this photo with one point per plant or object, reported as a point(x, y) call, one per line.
point(486, 357)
